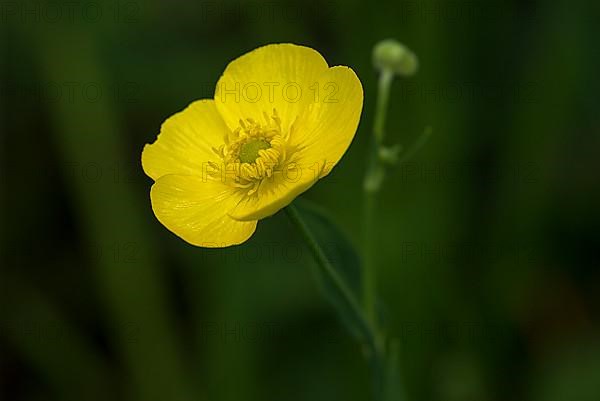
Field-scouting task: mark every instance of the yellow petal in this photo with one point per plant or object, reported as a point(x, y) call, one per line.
point(324, 131)
point(196, 210)
point(184, 145)
point(277, 192)
point(319, 139)
point(280, 76)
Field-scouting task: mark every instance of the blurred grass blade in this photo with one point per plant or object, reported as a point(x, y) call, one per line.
point(393, 388)
point(62, 357)
point(129, 277)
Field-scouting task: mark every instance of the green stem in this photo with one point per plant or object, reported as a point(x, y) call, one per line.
point(373, 180)
point(416, 146)
point(369, 273)
point(383, 96)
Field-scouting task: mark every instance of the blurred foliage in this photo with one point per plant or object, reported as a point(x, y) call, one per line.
point(488, 238)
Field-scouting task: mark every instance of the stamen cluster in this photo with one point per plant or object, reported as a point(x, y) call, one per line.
point(263, 142)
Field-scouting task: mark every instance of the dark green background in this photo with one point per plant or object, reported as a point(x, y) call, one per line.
point(488, 240)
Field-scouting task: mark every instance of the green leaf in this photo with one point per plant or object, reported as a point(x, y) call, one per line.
point(344, 259)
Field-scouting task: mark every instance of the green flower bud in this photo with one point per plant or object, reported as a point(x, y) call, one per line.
point(392, 55)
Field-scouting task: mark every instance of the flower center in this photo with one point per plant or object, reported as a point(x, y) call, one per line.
point(249, 150)
point(252, 153)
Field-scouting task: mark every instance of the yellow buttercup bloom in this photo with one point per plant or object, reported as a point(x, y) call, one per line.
point(281, 118)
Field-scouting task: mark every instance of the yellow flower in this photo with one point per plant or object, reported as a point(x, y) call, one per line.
point(281, 118)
